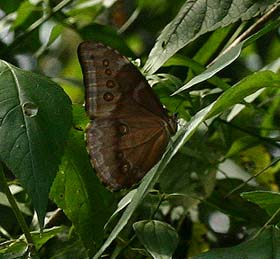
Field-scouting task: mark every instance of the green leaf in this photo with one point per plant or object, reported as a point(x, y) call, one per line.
point(23, 12)
point(42, 237)
point(79, 193)
point(189, 174)
point(268, 121)
point(270, 201)
point(121, 205)
point(10, 6)
point(13, 249)
point(234, 205)
point(256, 159)
point(245, 87)
point(159, 238)
point(196, 18)
point(265, 246)
point(35, 116)
point(179, 60)
point(212, 45)
point(18, 248)
point(55, 33)
point(240, 144)
point(223, 61)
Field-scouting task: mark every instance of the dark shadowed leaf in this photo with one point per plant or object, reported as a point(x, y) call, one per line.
point(245, 87)
point(270, 201)
point(79, 193)
point(265, 246)
point(18, 248)
point(233, 205)
point(159, 238)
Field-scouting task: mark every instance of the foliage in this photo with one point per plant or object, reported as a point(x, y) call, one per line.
point(215, 192)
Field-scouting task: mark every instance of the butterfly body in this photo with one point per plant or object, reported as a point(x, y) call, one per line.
point(129, 129)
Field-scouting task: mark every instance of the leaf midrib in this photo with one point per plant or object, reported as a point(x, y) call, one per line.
point(23, 119)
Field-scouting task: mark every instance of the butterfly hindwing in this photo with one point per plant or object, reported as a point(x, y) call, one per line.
point(129, 128)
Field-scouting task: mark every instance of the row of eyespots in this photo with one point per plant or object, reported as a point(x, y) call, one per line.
point(108, 96)
point(123, 129)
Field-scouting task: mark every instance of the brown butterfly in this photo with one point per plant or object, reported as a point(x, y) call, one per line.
point(129, 129)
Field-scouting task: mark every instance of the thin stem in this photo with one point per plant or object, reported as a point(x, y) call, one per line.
point(252, 177)
point(266, 224)
point(250, 30)
point(119, 250)
point(20, 219)
point(261, 138)
point(131, 19)
point(36, 25)
point(253, 28)
point(43, 19)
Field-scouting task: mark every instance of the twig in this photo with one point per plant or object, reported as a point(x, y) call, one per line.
point(130, 20)
point(261, 138)
point(250, 30)
point(252, 177)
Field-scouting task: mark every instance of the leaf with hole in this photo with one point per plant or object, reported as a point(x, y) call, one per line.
point(35, 116)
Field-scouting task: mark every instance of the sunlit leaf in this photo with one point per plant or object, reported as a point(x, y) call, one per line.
point(221, 63)
point(196, 18)
point(245, 87)
point(55, 33)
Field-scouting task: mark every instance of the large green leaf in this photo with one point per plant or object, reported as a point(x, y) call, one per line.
point(196, 18)
point(270, 201)
point(265, 246)
point(78, 191)
point(23, 12)
point(221, 63)
point(35, 116)
point(159, 238)
point(245, 87)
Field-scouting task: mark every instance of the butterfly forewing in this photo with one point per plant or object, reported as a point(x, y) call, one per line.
point(129, 128)
point(99, 65)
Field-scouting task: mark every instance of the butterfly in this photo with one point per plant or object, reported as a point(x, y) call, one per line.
point(129, 129)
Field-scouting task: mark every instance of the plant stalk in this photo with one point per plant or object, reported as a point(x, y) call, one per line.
point(36, 25)
point(5, 188)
